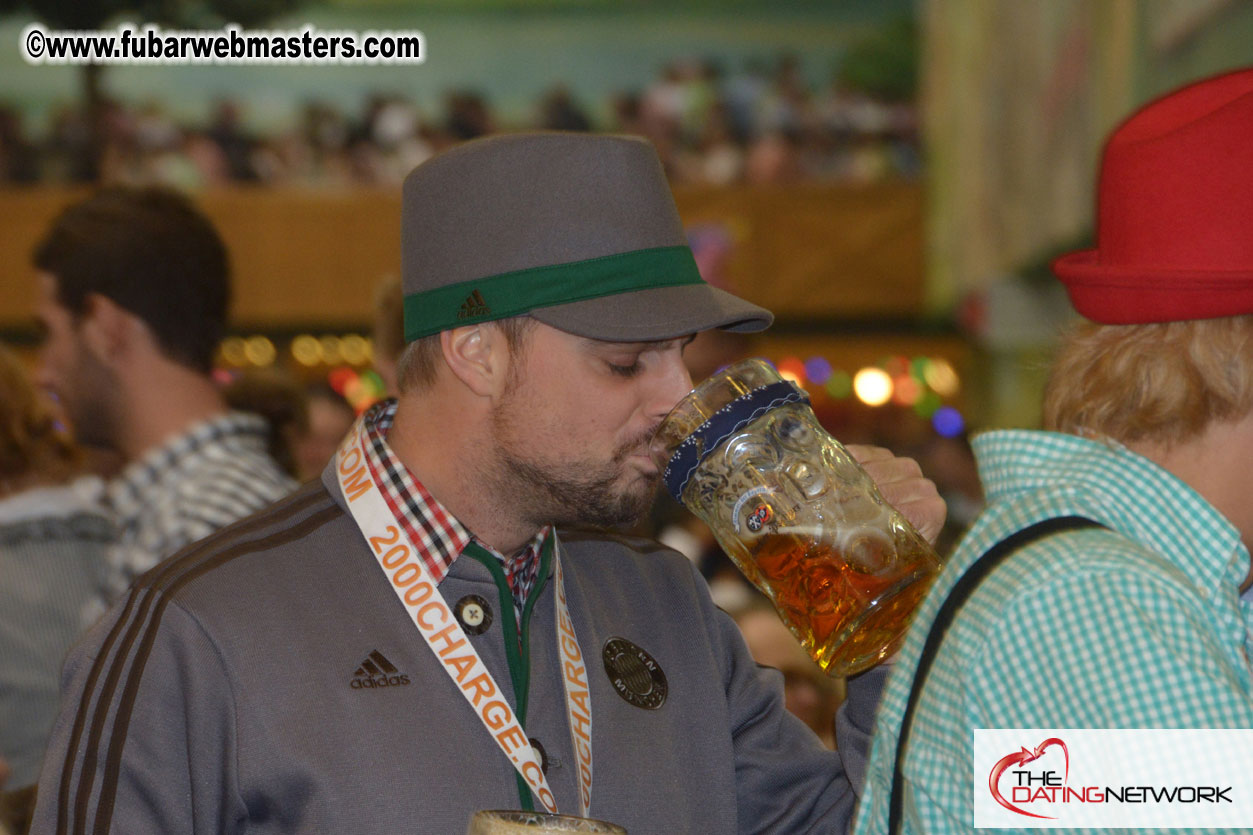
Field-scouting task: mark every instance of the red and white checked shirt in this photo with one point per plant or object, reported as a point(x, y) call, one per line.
point(437, 534)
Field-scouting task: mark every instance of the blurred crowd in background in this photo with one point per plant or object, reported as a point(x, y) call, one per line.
point(761, 124)
point(1006, 177)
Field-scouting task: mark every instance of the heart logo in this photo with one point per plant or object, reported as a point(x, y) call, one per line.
point(1019, 758)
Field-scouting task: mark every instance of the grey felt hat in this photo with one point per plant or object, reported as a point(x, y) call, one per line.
point(578, 230)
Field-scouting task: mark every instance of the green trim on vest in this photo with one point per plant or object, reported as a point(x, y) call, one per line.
point(541, 579)
point(515, 293)
point(508, 622)
point(517, 648)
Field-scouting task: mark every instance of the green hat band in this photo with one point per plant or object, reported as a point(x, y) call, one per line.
point(515, 293)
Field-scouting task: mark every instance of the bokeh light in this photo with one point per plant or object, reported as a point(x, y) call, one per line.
point(330, 350)
point(928, 404)
point(791, 368)
point(375, 382)
point(306, 350)
point(339, 378)
point(259, 350)
point(948, 422)
point(361, 390)
point(942, 377)
point(839, 385)
point(354, 389)
point(353, 349)
point(906, 391)
point(233, 351)
point(873, 386)
point(818, 370)
point(896, 366)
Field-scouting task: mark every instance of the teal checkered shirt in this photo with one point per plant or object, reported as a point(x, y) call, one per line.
point(1137, 626)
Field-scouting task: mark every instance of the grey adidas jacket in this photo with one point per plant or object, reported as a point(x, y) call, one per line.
point(228, 694)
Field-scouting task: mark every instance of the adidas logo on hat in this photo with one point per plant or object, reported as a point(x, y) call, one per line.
point(377, 671)
point(473, 306)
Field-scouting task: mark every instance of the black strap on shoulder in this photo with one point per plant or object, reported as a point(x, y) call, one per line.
point(957, 598)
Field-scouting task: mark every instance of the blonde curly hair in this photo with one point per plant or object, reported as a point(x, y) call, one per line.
point(1163, 382)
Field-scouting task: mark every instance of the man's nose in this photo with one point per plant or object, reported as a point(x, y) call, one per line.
point(674, 384)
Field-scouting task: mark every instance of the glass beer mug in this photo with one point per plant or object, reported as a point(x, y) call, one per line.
point(797, 515)
point(513, 822)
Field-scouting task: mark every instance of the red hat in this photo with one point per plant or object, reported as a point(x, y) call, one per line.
point(1175, 212)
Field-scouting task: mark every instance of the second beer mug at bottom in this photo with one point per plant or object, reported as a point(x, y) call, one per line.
point(797, 515)
point(514, 822)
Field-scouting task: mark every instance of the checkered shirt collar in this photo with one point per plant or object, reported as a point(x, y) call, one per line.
point(128, 494)
point(1124, 491)
point(438, 535)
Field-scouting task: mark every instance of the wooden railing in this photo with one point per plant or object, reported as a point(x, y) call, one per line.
point(304, 257)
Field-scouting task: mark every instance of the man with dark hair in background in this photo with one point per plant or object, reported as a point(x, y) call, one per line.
point(132, 299)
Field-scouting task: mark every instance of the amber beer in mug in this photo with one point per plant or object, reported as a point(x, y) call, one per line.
point(797, 515)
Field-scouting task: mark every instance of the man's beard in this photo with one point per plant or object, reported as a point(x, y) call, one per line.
point(575, 493)
point(90, 405)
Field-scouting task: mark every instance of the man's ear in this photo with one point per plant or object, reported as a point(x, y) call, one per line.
point(478, 356)
point(107, 328)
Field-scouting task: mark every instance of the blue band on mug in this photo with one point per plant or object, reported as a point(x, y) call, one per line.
point(721, 425)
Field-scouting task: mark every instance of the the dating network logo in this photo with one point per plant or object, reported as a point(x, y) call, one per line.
point(1023, 780)
point(1035, 783)
point(1142, 778)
